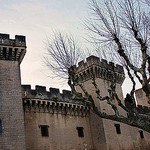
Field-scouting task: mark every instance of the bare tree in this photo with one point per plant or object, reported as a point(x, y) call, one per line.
point(147, 2)
point(124, 26)
point(62, 53)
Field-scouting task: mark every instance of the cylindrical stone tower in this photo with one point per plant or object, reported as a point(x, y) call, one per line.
point(12, 134)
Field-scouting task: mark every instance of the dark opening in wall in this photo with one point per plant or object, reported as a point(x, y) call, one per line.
point(44, 130)
point(141, 134)
point(21, 53)
point(0, 127)
point(80, 131)
point(118, 130)
point(10, 54)
point(16, 49)
point(4, 52)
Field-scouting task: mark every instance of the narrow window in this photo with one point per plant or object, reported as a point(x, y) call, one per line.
point(10, 53)
point(80, 131)
point(4, 52)
point(118, 128)
point(44, 130)
point(16, 49)
point(141, 134)
point(0, 127)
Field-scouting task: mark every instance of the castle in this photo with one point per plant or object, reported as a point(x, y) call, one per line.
point(36, 119)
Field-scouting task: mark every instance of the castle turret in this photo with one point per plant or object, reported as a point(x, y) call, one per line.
point(106, 134)
point(12, 51)
point(103, 72)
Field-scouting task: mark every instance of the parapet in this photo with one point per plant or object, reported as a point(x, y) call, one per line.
point(53, 94)
point(101, 69)
point(12, 49)
point(143, 109)
point(40, 92)
point(19, 40)
point(41, 101)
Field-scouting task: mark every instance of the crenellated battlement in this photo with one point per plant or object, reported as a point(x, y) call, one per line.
point(52, 101)
point(12, 49)
point(19, 40)
point(101, 69)
point(40, 92)
point(143, 109)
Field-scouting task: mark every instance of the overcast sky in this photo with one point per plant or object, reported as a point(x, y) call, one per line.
point(37, 19)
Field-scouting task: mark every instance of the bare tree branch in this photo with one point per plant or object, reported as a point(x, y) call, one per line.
point(126, 24)
point(63, 52)
point(124, 27)
point(141, 121)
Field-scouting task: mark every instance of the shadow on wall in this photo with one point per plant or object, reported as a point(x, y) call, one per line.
point(142, 145)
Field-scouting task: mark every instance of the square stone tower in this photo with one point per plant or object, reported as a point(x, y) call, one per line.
point(106, 134)
point(12, 51)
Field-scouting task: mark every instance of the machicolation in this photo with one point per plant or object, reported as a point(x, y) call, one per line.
point(54, 102)
point(101, 69)
point(143, 109)
point(12, 49)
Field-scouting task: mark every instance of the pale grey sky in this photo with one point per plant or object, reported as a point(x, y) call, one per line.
point(37, 19)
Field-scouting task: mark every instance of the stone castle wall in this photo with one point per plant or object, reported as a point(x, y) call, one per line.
point(61, 114)
point(54, 120)
point(103, 72)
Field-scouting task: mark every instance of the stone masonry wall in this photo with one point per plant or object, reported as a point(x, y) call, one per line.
point(12, 51)
point(11, 110)
point(61, 114)
point(103, 72)
point(63, 134)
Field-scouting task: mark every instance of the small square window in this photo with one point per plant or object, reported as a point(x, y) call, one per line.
point(118, 128)
point(80, 131)
point(44, 130)
point(141, 134)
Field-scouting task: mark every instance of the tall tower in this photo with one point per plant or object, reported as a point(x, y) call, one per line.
point(106, 134)
point(12, 51)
